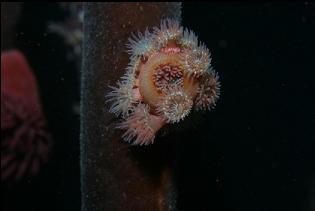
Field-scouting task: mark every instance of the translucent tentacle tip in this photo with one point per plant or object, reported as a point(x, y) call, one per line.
point(169, 73)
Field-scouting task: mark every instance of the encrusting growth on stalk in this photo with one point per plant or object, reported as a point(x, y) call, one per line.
point(169, 74)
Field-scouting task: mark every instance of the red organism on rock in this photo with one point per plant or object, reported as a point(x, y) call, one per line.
point(25, 140)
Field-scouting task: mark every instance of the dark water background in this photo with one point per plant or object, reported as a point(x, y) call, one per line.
point(255, 152)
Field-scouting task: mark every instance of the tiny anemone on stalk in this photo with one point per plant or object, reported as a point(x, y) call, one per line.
point(169, 74)
point(208, 92)
point(122, 97)
point(175, 105)
point(197, 61)
point(141, 125)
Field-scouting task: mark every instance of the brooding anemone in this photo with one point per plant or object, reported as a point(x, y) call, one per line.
point(169, 74)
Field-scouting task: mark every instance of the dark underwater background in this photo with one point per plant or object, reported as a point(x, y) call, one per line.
point(254, 152)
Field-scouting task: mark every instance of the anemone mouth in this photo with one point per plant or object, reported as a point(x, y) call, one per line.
point(175, 105)
point(157, 73)
point(166, 75)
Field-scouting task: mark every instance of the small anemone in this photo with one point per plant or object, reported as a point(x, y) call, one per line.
point(208, 91)
point(122, 97)
point(141, 126)
point(169, 30)
point(175, 105)
point(131, 69)
point(197, 61)
point(140, 44)
point(189, 39)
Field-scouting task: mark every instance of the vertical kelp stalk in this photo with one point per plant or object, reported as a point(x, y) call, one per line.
point(115, 175)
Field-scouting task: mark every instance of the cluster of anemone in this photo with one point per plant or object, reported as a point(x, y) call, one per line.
point(168, 75)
